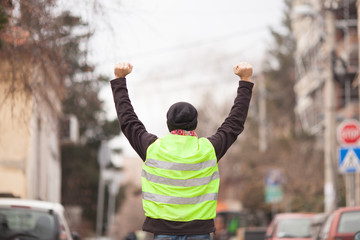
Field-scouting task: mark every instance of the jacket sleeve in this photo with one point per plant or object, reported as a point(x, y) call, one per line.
point(133, 129)
point(233, 125)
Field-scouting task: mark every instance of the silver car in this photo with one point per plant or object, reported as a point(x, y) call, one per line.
point(30, 219)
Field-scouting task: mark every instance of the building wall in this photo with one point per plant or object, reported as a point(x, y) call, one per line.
point(44, 168)
point(29, 146)
point(326, 53)
point(310, 57)
point(14, 143)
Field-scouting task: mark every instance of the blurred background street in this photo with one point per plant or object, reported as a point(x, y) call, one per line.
point(60, 139)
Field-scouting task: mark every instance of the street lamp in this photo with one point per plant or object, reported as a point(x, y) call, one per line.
point(111, 177)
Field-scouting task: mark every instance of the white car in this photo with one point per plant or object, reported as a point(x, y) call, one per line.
point(22, 219)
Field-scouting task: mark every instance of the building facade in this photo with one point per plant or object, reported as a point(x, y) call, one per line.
point(327, 63)
point(29, 145)
point(30, 109)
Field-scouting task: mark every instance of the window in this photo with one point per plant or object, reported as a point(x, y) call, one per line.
point(294, 228)
point(349, 222)
point(27, 222)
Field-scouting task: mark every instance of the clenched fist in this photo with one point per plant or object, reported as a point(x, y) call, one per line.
point(122, 69)
point(244, 71)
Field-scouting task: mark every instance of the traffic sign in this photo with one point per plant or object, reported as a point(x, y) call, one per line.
point(349, 159)
point(273, 186)
point(104, 154)
point(348, 132)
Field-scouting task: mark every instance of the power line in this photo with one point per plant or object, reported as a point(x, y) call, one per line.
point(206, 41)
point(223, 58)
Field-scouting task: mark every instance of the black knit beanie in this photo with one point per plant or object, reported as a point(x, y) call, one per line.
point(182, 115)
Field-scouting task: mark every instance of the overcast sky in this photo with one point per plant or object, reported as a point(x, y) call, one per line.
point(180, 49)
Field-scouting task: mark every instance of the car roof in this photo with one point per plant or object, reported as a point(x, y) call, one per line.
point(33, 204)
point(293, 215)
point(348, 209)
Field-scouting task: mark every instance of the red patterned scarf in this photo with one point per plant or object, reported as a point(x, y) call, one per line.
point(183, 133)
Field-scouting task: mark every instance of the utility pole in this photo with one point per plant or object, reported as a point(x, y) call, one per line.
point(100, 205)
point(350, 177)
point(329, 121)
point(103, 160)
point(115, 178)
point(262, 115)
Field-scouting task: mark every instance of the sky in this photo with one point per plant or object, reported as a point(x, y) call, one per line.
point(180, 50)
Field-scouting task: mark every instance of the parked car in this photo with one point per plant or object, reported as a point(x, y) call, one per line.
point(31, 219)
point(342, 224)
point(290, 226)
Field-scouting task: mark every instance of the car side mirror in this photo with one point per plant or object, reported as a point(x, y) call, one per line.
point(357, 236)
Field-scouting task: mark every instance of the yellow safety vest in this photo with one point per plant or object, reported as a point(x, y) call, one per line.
point(180, 179)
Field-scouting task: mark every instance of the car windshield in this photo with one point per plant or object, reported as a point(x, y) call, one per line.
point(349, 222)
point(294, 228)
point(26, 223)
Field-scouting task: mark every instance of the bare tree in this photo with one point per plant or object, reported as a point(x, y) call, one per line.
point(34, 57)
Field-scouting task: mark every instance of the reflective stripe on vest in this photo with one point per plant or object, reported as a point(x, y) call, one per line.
point(180, 179)
point(180, 182)
point(179, 200)
point(180, 166)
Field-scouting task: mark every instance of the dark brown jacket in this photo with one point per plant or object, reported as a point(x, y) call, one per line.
point(140, 140)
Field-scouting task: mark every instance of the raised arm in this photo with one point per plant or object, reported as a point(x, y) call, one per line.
point(233, 125)
point(133, 129)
